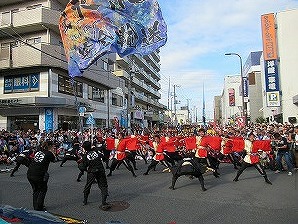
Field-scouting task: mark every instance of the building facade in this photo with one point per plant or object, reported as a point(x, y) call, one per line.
point(231, 101)
point(252, 70)
point(279, 66)
point(36, 91)
point(141, 76)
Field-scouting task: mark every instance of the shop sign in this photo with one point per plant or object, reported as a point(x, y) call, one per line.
point(49, 119)
point(139, 115)
point(10, 101)
point(21, 83)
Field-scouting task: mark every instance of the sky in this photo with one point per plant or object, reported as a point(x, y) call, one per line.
point(200, 32)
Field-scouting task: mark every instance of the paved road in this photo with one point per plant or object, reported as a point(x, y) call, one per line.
point(151, 201)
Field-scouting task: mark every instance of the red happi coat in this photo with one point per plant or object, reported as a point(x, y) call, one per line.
point(110, 142)
point(250, 157)
point(213, 142)
point(169, 144)
point(159, 148)
point(226, 146)
point(190, 143)
point(132, 143)
point(120, 149)
point(202, 144)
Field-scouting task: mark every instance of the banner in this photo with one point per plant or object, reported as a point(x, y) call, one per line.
point(270, 60)
point(91, 29)
point(269, 36)
point(231, 92)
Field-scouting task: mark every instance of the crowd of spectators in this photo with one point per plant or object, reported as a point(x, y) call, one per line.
point(12, 143)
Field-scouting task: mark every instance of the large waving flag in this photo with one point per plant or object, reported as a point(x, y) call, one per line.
point(93, 28)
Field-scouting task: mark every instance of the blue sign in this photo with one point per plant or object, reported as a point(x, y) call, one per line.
point(34, 82)
point(82, 109)
point(49, 119)
point(271, 76)
point(245, 87)
point(90, 120)
point(21, 83)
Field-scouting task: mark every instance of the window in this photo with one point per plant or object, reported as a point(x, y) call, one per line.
point(65, 86)
point(105, 65)
point(96, 94)
point(117, 100)
point(5, 18)
point(4, 51)
point(251, 78)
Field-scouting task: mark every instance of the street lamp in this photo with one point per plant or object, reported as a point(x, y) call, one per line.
point(244, 106)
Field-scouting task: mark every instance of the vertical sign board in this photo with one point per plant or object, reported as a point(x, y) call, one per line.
point(231, 97)
point(49, 119)
point(245, 87)
point(270, 60)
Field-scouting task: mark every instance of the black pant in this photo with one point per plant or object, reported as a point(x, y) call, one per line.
point(39, 186)
point(106, 157)
point(20, 161)
point(126, 163)
point(69, 157)
point(154, 163)
point(258, 167)
point(131, 156)
point(101, 179)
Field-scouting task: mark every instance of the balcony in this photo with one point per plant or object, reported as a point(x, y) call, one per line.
point(153, 62)
point(17, 57)
point(123, 62)
point(25, 56)
point(155, 55)
point(147, 78)
point(121, 73)
point(32, 20)
point(142, 63)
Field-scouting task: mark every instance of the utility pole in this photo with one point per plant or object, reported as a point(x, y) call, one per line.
point(188, 110)
point(204, 109)
point(129, 101)
point(169, 98)
point(175, 102)
point(169, 93)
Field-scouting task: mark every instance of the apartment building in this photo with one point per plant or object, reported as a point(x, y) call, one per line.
point(35, 89)
point(141, 75)
point(37, 93)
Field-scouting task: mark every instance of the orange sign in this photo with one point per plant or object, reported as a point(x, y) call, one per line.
point(269, 36)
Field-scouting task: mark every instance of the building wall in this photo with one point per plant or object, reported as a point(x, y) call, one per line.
point(38, 26)
point(229, 112)
point(217, 109)
point(287, 36)
point(255, 98)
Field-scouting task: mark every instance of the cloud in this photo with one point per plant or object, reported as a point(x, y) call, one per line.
point(206, 26)
point(199, 30)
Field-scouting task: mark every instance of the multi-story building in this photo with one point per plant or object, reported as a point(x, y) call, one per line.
point(217, 109)
point(231, 101)
point(141, 75)
point(36, 91)
point(252, 71)
point(279, 65)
